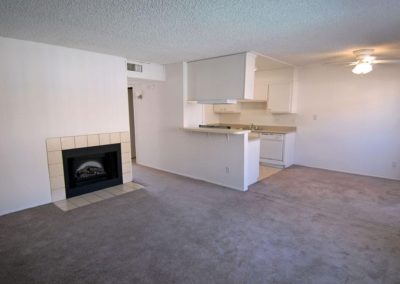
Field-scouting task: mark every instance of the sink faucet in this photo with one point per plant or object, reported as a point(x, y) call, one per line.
point(253, 127)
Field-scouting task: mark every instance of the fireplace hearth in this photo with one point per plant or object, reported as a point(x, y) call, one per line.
point(91, 168)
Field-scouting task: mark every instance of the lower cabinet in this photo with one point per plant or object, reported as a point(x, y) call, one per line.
point(277, 149)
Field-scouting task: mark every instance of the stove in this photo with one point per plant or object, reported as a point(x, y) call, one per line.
point(214, 126)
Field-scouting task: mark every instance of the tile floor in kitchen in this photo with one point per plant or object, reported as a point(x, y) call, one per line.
point(267, 171)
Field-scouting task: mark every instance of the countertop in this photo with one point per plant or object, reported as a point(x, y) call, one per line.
point(260, 128)
point(216, 130)
point(276, 129)
point(243, 128)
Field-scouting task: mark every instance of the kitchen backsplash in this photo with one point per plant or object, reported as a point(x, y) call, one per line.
point(256, 113)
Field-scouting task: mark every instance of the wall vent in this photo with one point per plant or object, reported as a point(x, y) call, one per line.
point(135, 67)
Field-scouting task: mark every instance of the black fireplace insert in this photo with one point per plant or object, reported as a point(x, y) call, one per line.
point(91, 168)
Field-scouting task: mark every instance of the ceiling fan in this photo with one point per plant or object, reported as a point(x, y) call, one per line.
point(365, 60)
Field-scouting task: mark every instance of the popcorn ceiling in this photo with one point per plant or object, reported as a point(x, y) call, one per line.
point(298, 32)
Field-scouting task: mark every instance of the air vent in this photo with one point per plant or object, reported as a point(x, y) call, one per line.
point(135, 67)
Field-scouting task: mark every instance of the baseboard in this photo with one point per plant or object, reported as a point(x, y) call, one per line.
point(192, 177)
point(346, 172)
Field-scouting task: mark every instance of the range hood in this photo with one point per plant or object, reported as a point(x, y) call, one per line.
point(217, 101)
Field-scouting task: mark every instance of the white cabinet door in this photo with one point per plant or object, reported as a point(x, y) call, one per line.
point(280, 97)
point(222, 78)
point(260, 90)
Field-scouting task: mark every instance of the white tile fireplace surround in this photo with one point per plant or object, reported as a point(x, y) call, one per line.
point(55, 145)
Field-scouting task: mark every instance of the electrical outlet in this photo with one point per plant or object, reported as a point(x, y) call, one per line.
point(227, 170)
point(394, 164)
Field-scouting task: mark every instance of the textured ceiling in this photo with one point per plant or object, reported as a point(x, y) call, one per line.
point(162, 31)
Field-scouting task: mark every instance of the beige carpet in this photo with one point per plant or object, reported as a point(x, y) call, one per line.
point(300, 225)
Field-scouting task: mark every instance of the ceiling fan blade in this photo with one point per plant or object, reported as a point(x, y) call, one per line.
point(341, 63)
point(388, 61)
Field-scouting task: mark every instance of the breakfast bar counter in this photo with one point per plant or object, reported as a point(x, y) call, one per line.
point(216, 130)
point(238, 150)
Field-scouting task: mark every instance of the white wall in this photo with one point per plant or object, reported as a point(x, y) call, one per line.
point(161, 143)
point(50, 91)
point(150, 71)
point(357, 126)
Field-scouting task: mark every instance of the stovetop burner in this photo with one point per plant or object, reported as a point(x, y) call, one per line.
point(214, 126)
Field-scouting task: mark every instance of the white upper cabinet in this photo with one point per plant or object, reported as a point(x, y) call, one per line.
point(260, 88)
point(277, 87)
point(222, 78)
point(280, 97)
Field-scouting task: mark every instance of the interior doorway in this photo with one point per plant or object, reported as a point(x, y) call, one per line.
point(132, 121)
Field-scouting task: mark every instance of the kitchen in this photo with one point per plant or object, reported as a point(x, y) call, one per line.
point(252, 95)
point(204, 92)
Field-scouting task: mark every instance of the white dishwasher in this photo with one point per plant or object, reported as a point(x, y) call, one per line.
point(272, 147)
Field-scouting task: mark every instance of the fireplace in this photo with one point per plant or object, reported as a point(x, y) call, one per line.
point(91, 168)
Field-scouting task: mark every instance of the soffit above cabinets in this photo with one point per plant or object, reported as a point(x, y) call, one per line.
point(221, 79)
point(268, 63)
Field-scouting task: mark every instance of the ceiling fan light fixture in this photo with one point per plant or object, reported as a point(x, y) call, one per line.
point(362, 68)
